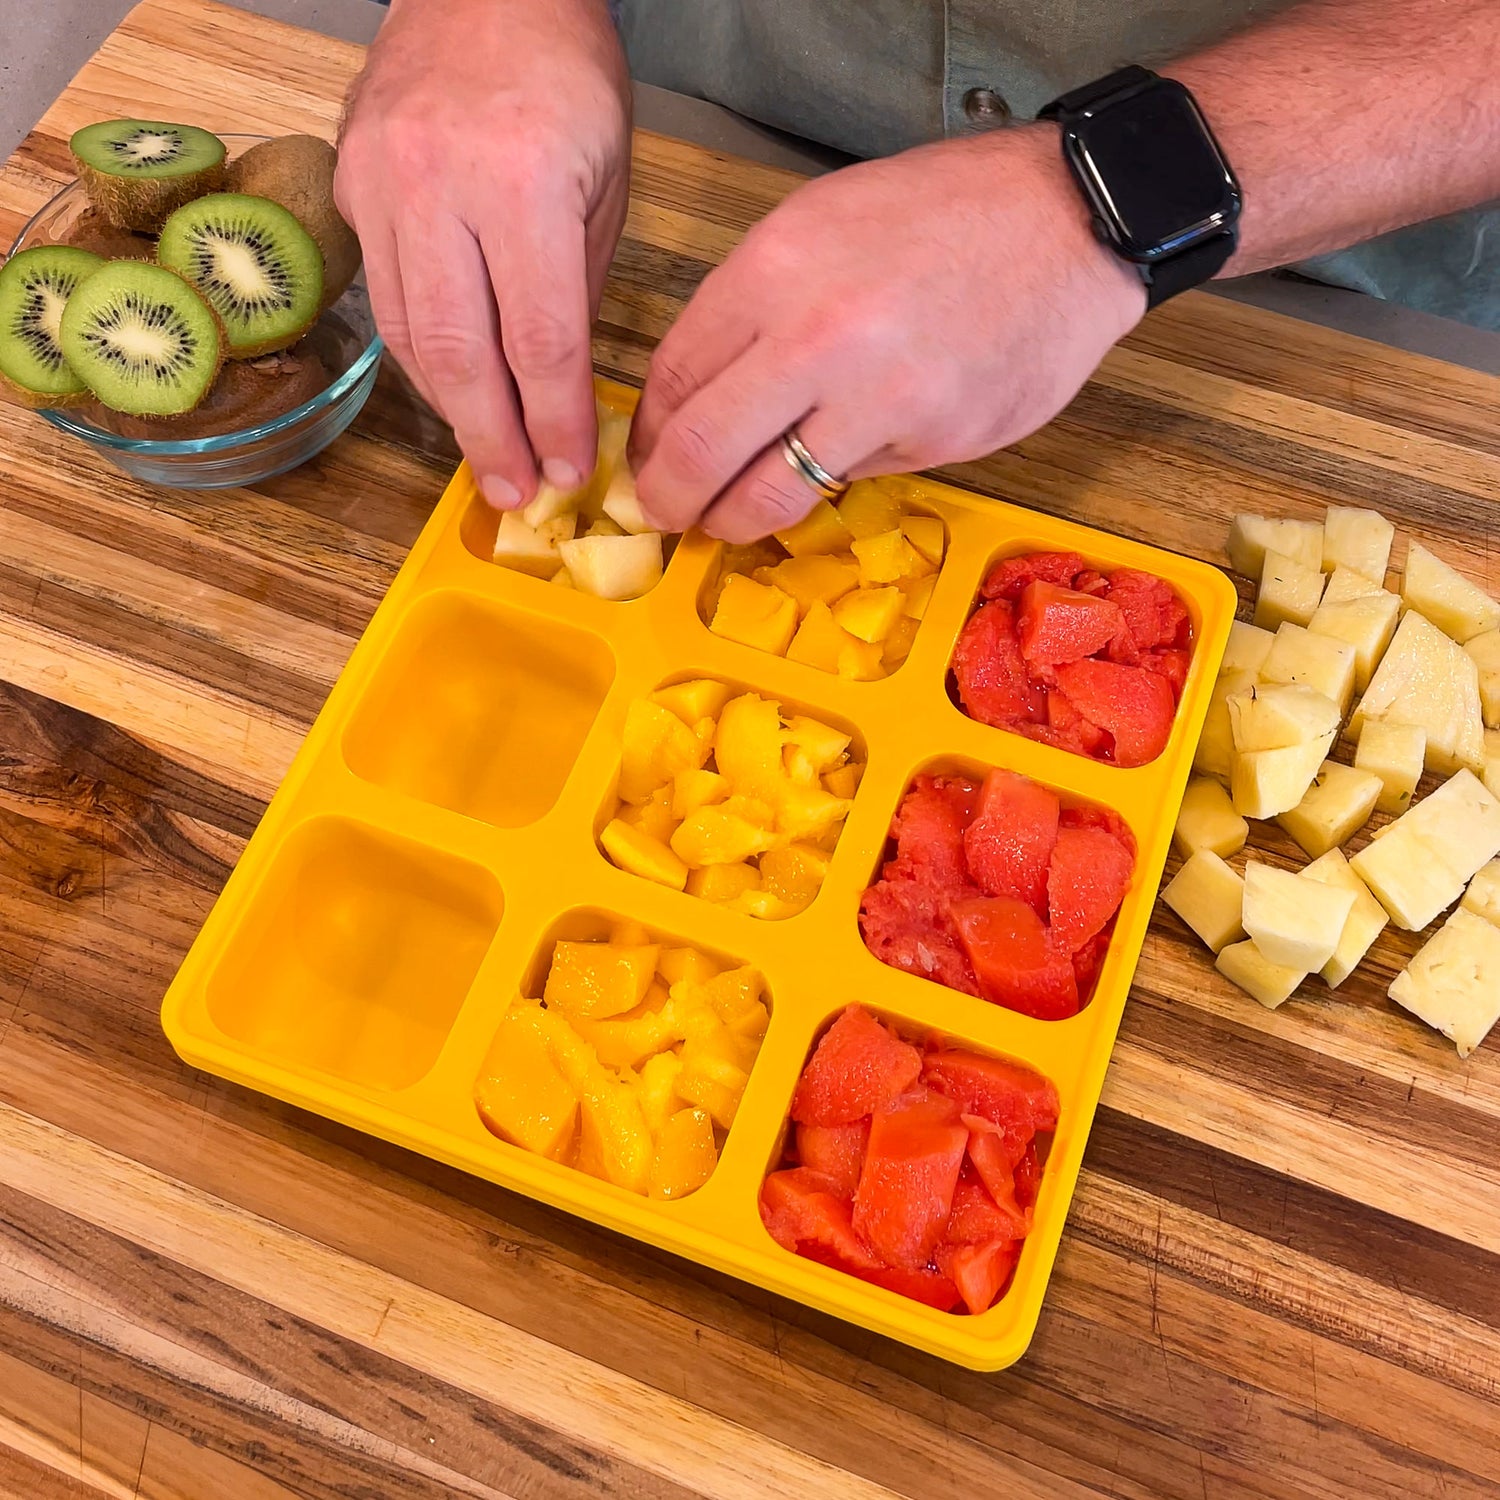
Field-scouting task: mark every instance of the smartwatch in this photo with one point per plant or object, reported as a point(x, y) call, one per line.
point(1158, 186)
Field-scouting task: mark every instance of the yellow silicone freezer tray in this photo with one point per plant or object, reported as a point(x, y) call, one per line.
point(437, 832)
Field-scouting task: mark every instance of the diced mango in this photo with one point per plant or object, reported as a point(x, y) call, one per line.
point(629, 1040)
point(869, 614)
point(628, 934)
point(824, 745)
point(693, 1016)
point(918, 596)
point(656, 746)
point(747, 747)
point(656, 1088)
point(734, 997)
point(722, 883)
point(763, 905)
point(898, 643)
point(595, 980)
point(861, 661)
point(614, 1133)
point(755, 615)
point(717, 836)
point(843, 781)
point(704, 732)
point(794, 873)
point(925, 533)
point(886, 558)
point(820, 530)
point(702, 698)
point(868, 509)
point(685, 1155)
point(694, 789)
point(655, 817)
point(640, 854)
point(678, 964)
point(800, 769)
point(712, 1076)
point(819, 642)
point(522, 1095)
point(808, 813)
point(817, 578)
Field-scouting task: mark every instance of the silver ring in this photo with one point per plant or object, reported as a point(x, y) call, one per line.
point(806, 467)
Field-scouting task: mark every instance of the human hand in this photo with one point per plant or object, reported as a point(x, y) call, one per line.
point(901, 314)
point(485, 167)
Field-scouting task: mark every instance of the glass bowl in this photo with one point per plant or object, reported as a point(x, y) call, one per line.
point(344, 338)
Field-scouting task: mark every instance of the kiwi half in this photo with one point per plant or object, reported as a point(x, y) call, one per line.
point(258, 267)
point(34, 289)
point(296, 171)
point(92, 231)
point(136, 172)
point(143, 339)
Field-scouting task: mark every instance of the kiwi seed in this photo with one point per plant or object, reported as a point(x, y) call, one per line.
point(34, 289)
point(136, 172)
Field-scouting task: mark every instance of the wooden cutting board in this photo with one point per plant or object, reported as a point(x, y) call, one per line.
point(1280, 1277)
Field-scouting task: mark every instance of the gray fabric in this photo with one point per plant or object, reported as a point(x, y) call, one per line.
point(872, 77)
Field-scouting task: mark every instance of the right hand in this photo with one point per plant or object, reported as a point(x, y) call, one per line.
point(485, 165)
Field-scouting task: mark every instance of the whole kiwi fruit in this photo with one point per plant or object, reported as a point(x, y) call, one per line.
point(137, 172)
point(296, 171)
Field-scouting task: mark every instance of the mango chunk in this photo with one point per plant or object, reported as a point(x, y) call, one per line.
point(712, 1077)
point(521, 1094)
point(718, 836)
point(677, 965)
point(747, 746)
point(794, 873)
point(755, 615)
point(735, 999)
point(763, 905)
point(869, 614)
point(808, 813)
point(629, 934)
point(821, 530)
point(898, 643)
point(628, 1040)
point(843, 781)
point(638, 853)
point(919, 596)
point(862, 661)
point(868, 509)
point(596, 980)
point(694, 789)
point(685, 1155)
point(722, 883)
point(886, 557)
point(702, 698)
point(654, 817)
point(657, 745)
point(819, 641)
point(614, 1139)
point(817, 578)
point(656, 1088)
point(825, 745)
point(800, 769)
point(925, 533)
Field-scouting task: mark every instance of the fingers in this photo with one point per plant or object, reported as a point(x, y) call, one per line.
point(455, 338)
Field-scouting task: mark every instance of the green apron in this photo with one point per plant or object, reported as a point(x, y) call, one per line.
point(872, 77)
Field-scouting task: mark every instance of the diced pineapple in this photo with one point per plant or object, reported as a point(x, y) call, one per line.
point(605, 527)
point(868, 509)
point(1246, 967)
point(925, 533)
point(1453, 984)
point(755, 615)
point(1215, 753)
point(868, 614)
point(1365, 922)
point(1483, 895)
point(1208, 820)
point(1366, 624)
point(1289, 591)
point(886, 557)
point(532, 549)
point(696, 700)
point(1280, 715)
point(1247, 650)
point(1426, 680)
point(1394, 753)
point(1344, 584)
point(1485, 650)
point(638, 853)
point(623, 506)
point(820, 530)
point(1337, 805)
point(550, 502)
point(1266, 782)
point(614, 567)
point(816, 578)
point(1491, 776)
point(1296, 923)
point(1357, 539)
point(1251, 537)
point(1456, 606)
point(1316, 661)
point(1210, 898)
point(563, 579)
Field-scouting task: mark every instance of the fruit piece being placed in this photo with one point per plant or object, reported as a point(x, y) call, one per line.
point(521, 1094)
point(1483, 895)
point(869, 614)
point(1453, 984)
point(137, 172)
point(1245, 966)
point(820, 530)
point(1485, 651)
point(886, 558)
point(686, 1155)
point(1344, 584)
point(1301, 658)
point(925, 533)
point(1251, 537)
point(1296, 923)
point(868, 510)
point(1247, 650)
point(1290, 591)
point(1442, 594)
point(143, 340)
point(1135, 707)
point(1208, 820)
point(532, 549)
point(1357, 539)
point(614, 567)
point(1210, 898)
point(1365, 922)
point(1264, 783)
point(1337, 805)
point(1367, 625)
point(817, 578)
point(34, 289)
point(622, 505)
point(258, 268)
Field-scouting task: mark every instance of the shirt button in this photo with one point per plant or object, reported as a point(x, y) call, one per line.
point(985, 107)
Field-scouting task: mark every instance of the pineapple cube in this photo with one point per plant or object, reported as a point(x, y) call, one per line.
point(1246, 967)
point(1485, 651)
point(532, 549)
point(1281, 715)
point(605, 527)
point(1210, 897)
point(719, 836)
point(692, 702)
point(1357, 539)
point(549, 503)
point(623, 506)
point(1251, 537)
point(635, 851)
point(868, 509)
point(614, 567)
point(1337, 805)
point(686, 1155)
point(1208, 820)
point(816, 578)
point(521, 1094)
point(755, 615)
point(1457, 607)
point(1491, 776)
point(1215, 753)
point(869, 614)
point(1247, 650)
point(723, 883)
point(656, 746)
point(1427, 680)
point(1289, 591)
point(820, 530)
point(919, 596)
point(1394, 753)
point(563, 579)
point(1453, 984)
point(1316, 661)
point(1296, 923)
point(1483, 895)
point(886, 558)
point(925, 533)
point(1344, 585)
point(1266, 782)
point(1366, 920)
point(1367, 625)
point(593, 981)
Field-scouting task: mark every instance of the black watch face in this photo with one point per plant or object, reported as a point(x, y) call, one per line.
point(1158, 180)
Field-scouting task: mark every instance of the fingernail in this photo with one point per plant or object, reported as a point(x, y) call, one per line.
point(560, 474)
point(500, 493)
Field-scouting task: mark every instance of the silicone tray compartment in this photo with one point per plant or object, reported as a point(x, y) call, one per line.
point(438, 831)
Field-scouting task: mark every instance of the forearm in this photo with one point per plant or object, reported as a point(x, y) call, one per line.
point(1347, 118)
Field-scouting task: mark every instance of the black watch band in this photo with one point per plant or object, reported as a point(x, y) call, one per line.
point(1118, 84)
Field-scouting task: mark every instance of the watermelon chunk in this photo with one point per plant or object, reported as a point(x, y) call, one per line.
point(857, 1067)
point(1091, 815)
point(1009, 843)
point(1017, 1101)
point(1171, 663)
point(993, 684)
point(1014, 959)
point(992, 1164)
point(911, 1168)
point(1133, 705)
point(1008, 579)
point(1089, 960)
point(801, 1212)
point(1090, 582)
point(1057, 625)
point(1087, 878)
point(934, 1288)
point(904, 924)
point(1151, 613)
point(980, 1272)
point(1071, 731)
point(929, 828)
point(1028, 1178)
point(836, 1152)
point(975, 1218)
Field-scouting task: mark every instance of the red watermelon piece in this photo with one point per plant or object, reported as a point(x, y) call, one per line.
point(929, 828)
point(1171, 663)
point(1070, 729)
point(1014, 959)
point(975, 1218)
point(993, 684)
point(1010, 841)
point(1090, 582)
point(1015, 1099)
point(932, 1288)
point(1008, 579)
point(911, 1168)
point(1091, 815)
point(856, 1068)
point(1088, 960)
point(801, 1211)
point(1028, 1178)
point(988, 1152)
point(1133, 705)
point(1056, 625)
point(980, 1273)
point(1087, 879)
point(1152, 613)
point(904, 924)
point(836, 1152)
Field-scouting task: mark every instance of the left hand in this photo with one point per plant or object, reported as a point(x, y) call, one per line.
point(901, 314)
